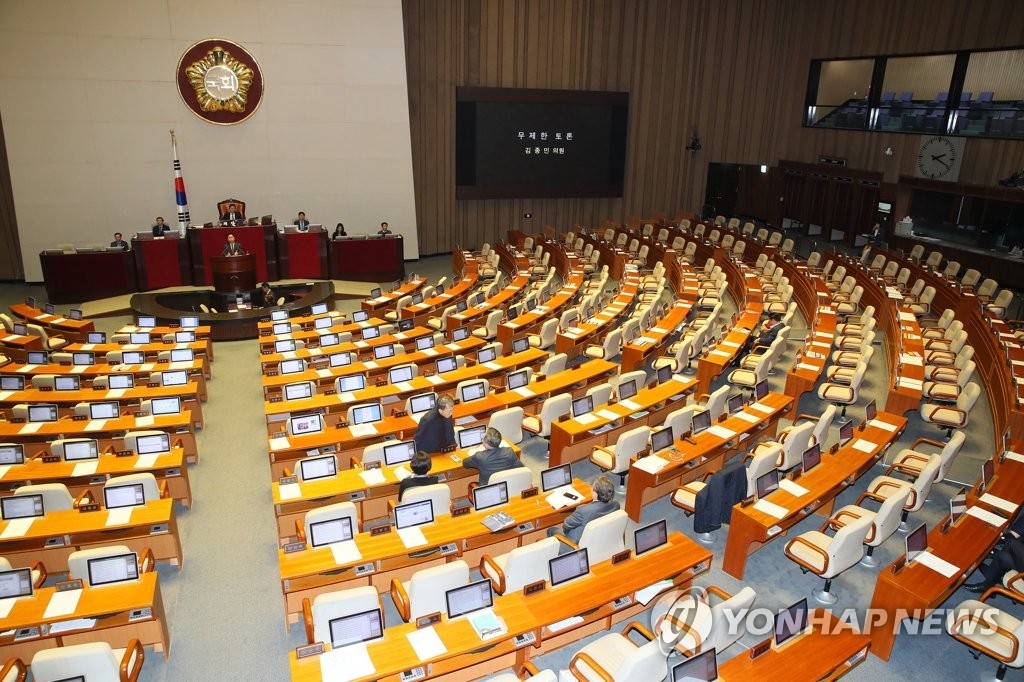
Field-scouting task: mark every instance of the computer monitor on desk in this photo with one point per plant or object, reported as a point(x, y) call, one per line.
point(128, 495)
point(154, 443)
point(284, 346)
point(471, 392)
point(36, 357)
point(81, 358)
point(351, 382)
point(761, 389)
point(650, 537)
point(701, 421)
point(555, 477)
point(568, 567)
point(109, 409)
point(767, 484)
point(421, 403)
point(330, 531)
point(870, 411)
point(138, 337)
point(791, 622)
point(313, 468)
point(280, 328)
point(276, 316)
point(80, 449)
point(133, 357)
point(306, 424)
point(412, 514)
point(627, 389)
point(662, 440)
point(700, 668)
point(329, 339)
point(361, 315)
point(486, 354)
point(170, 405)
point(298, 390)
point(957, 505)
point(294, 366)
point(21, 507)
point(42, 413)
point(16, 583)
point(460, 334)
point(400, 374)
point(359, 627)
point(917, 542)
point(988, 473)
point(424, 342)
point(383, 352)
point(175, 377)
point(117, 381)
point(184, 336)
point(448, 364)
point(469, 598)
point(112, 570)
point(182, 355)
point(520, 345)
point(735, 403)
point(369, 333)
point(399, 453)
point(583, 405)
point(339, 359)
point(96, 337)
point(70, 382)
point(406, 324)
point(811, 457)
point(318, 309)
point(12, 382)
point(487, 496)
point(192, 321)
point(12, 453)
point(146, 322)
point(471, 437)
point(518, 379)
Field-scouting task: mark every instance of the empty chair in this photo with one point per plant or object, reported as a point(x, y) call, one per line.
point(609, 348)
point(715, 403)
point(951, 417)
point(78, 561)
point(997, 308)
point(93, 661)
point(852, 303)
point(439, 494)
point(396, 314)
point(680, 360)
point(638, 377)
point(910, 461)
point(441, 323)
point(617, 658)
point(424, 593)
point(151, 490)
point(934, 259)
point(547, 336)
point(945, 341)
point(516, 480)
point(882, 487)
point(822, 423)
point(616, 459)
point(553, 408)
point(794, 442)
point(844, 394)
point(826, 556)
point(946, 391)
point(884, 521)
point(922, 306)
point(970, 280)
point(489, 330)
point(331, 512)
point(941, 328)
point(748, 378)
point(479, 388)
point(916, 253)
point(509, 423)
point(318, 614)
point(553, 365)
point(49, 342)
point(512, 571)
point(988, 630)
point(56, 496)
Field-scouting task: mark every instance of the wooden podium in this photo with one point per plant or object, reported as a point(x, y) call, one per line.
point(234, 273)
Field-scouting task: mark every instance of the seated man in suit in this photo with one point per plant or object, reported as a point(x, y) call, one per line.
point(267, 294)
point(160, 228)
point(602, 501)
point(232, 248)
point(118, 242)
point(436, 430)
point(384, 229)
point(493, 458)
point(769, 330)
point(232, 215)
point(420, 465)
point(301, 222)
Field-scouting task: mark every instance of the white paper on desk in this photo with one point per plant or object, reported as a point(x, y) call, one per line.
point(913, 384)
point(453, 346)
point(720, 353)
point(289, 491)
point(145, 461)
point(78, 369)
point(30, 428)
point(400, 336)
point(524, 391)
point(16, 528)
point(27, 368)
point(907, 317)
point(936, 564)
point(999, 503)
point(346, 397)
point(747, 417)
point(85, 468)
point(804, 365)
point(721, 431)
point(492, 365)
point(316, 351)
point(412, 537)
point(435, 379)
point(570, 336)
point(820, 344)
point(11, 337)
point(825, 335)
point(95, 424)
point(279, 443)
point(1015, 456)
point(658, 330)
point(372, 476)
point(426, 643)
point(5, 607)
point(116, 392)
point(864, 445)
point(652, 464)
point(4, 469)
point(147, 366)
point(62, 604)
point(645, 595)
point(879, 424)
point(608, 414)
point(771, 509)
point(987, 516)
point(370, 364)
point(584, 419)
point(403, 472)
point(761, 408)
point(792, 488)
point(629, 404)
point(4, 395)
point(361, 344)
point(119, 517)
point(345, 552)
point(362, 430)
point(324, 373)
point(730, 344)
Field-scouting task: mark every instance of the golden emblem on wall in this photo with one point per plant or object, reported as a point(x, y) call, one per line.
point(220, 81)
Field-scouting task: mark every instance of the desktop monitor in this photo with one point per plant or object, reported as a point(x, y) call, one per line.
point(370, 333)
point(520, 345)
point(383, 352)
point(96, 337)
point(811, 457)
point(192, 321)
point(406, 324)
point(16, 583)
point(318, 309)
point(175, 377)
point(75, 314)
point(110, 409)
point(399, 374)
point(487, 496)
point(36, 357)
point(958, 505)
point(735, 403)
point(367, 414)
point(414, 514)
point(531, 303)
point(49, 308)
point(662, 439)
point(988, 472)
point(701, 421)
point(298, 391)
point(146, 321)
point(473, 391)
point(917, 542)
point(700, 668)
point(82, 358)
point(424, 342)
point(129, 495)
point(182, 355)
point(375, 292)
point(42, 412)
point(276, 316)
point(460, 334)
point(12, 453)
point(555, 477)
point(513, 312)
point(312, 468)
point(664, 373)
point(20, 328)
point(120, 381)
point(627, 389)
point(81, 450)
point(291, 366)
point(650, 537)
point(12, 382)
point(760, 389)
point(339, 359)
point(422, 402)
point(186, 336)
point(471, 437)
point(870, 411)
point(280, 328)
point(517, 379)
point(330, 531)
point(305, 424)
point(133, 357)
point(399, 453)
point(846, 431)
point(360, 316)
point(153, 444)
point(568, 567)
point(351, 382)
point(111, 570)
point(449, 364)
point(469, 598)
point(70, 382)
point(572, 320)
point(461, 306)
point(581, 406)
point(21, 507)
point(284, 345)
point(486, 354)
point(767, 483)
point(30, 301)
point(358, 627)
point(139, 337)
point(790, 622)
point(169, 405)
point(330, 339)
point(417, 298)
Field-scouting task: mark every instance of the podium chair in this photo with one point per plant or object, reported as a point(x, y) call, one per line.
point(222, 206)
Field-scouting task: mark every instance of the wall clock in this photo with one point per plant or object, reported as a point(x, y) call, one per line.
point(939, 158)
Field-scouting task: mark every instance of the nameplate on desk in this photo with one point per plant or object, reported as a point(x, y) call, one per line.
point(275, 399)
point(99, 387)
point(370, 466)
point(68, 585)
point(45, 389)
point(309, 650)
point(50, 459)
point(153, 384)
point(123, 453)
point(89, 507)
point(288, 480)
point(380, 530)
point(341, 425)
point(17, 420)
point(448, 448)
point(760, 648)
point(529, 492)
point(459, 511)
point(80, 418)
point(534, 588)
point(294, 547)
point(428, 620)
point(330, 391)
point(898, 565)
point(620, 557)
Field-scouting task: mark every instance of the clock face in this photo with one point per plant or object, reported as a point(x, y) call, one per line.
point(939, 158)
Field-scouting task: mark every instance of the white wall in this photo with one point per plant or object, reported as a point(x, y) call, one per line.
point(88, 94)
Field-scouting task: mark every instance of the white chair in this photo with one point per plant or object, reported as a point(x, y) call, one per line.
point(951, 417)
point(638, 377)
point(989, 630)
point(553, 365)
point(151, 490)
point(679, 361)
point(609, 348)
point(997, 308)
point(489, 330)
point(441, 323)
point(922, 306)
point(93, 661)
point(424, 593)
point(828, 556)
point(843, 394)
point(318, 614)
point(396, 314)
point(547, 336)
point(439, 494)
point(794, 442)
point(945, 391)
point(516, 480)
point(727, 623)
point(910, 461)
point(509, 423)
point(822, 423)
point(970, 280)
point(56, 496)
point(748, 378)
point(472, 387)
point(78, 561)
point(616, 459)
point(884, 522)
point(882, 487)
point(715, 403)
point(331, 512)
point(553, 408)
point(512, 571)
point(942, 326)
point(615, 657)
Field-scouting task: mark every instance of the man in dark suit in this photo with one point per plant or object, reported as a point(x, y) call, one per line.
point(602, 501)
point(232, 215)
point(267, 294)
point(1009, 557)
point(232, 248)
point(420, 465)
point(384, 229)
point(493, 458)
point(301, 222)
point(160, 228)
point(436, 430)
point(118, 242)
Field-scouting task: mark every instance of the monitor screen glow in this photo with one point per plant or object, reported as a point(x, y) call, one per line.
point(662, 439)
point(470, 598)
point(146, 321)
point(10, 382)
point(473, 391)
point(81, 450)
point(370, 333)
point(518, 379)
point(422, 402)
point(399, 453)
point(701, 421)
point(138, 337)
point(360, 315)
point(118, 496)
point(42, 413)
point(767, 483)
point(424, 342)
point(358, 627)
point(312, 468)
point(66, 383)
point(330, 531)
point(176, 377)
point(568, 567)
point(12, 453)
point(171, 405)
point(318, 309)
point(650, 537)
point(520, 345)
point(96, 337)
point(298, 391)
point(414, 514)
point(16, 583)
point(340, 359)
point(21, 507)
point(583, 405)
point(351, 382)
point(400, 374)
point(367, 414)
point(290, 366)
point(446, 365)
point(460, 334)
point(790, 622)
point(471, 437)
point(191, 322)
point(153, 444)
point(104, 410)
point(83, 359)
point(305, 425)
point(133, 357)
point(487, 496)
point(116, 381)
point(555, 477)
point(284, 346)
point(113, 569)
point(383, 352)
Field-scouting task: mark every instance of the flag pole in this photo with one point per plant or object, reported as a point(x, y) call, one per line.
point(179, 190)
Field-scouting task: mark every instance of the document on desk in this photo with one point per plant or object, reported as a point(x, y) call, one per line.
point(864, 445)
point(279, 443)
point(771, 509)
point(370, 364)
point(761, 408)
point(493, 365)
point(912, 384)
point(361, 344)
point(116, 393)
point(372, 476)
point(792, 488)
point(324, 373)
point(346, 663)
point(95, 424)
point(645, 595)
point(362, 430)
point(559, 625)
point(879, 424)
point(144, 421)
point(289, 491)
point(429, 352)
point(4, 395)
point(16, 528)
point(987, 516)
point(346, 552)
point(747, 417)
point(5, 607)
point(4, 469)
point(85, 468)
point(403, 472)
point(426, 643)
point(524, 391)
point(588, 418)
point(453, 346)
point(720, 353)
point(936, 564)
point(78, 369)
point(62, 604)
point(630, 405)
point(721, 431)
point(27, 368)
point(999, 503)
point(73, 624)
point(412, 537)
point(347, 397)
point(907, 359)
point(1015, 457)
point(907, 317)
point(652, 464)
point(119, 517)
point(30, 428)
point(609, 415)
point(563, 496)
